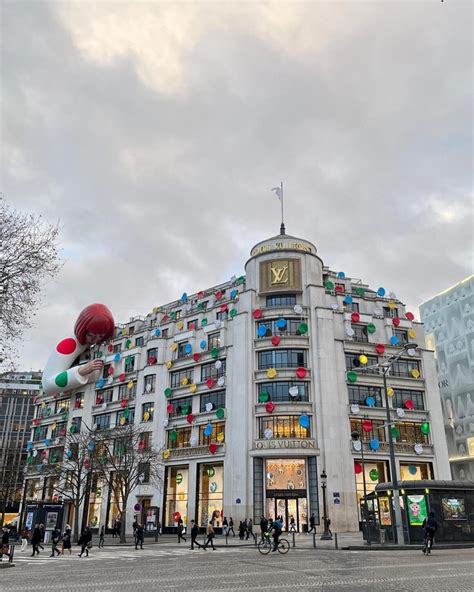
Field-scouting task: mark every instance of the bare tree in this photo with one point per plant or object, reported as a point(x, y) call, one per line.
point(76, 470)
point(28, 256)
point(125, 458)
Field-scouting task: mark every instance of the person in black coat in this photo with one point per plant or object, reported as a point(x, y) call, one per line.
point(84, 541)
point(35, 540)
point(180, 531)
point(55, 538)
point(139, 535)
point(67, 539)
point(194, 533)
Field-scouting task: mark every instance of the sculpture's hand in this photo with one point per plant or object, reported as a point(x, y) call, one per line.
point(90, 367)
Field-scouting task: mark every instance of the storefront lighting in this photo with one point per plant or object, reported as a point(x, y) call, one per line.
point(427, 490)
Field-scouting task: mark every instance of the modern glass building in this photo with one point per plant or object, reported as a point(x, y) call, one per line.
point(253, 388)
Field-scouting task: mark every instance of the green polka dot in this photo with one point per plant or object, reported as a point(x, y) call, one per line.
point(204, 322)
point(329, 285)
point(61, 380)
point(352, 376)
point(263, 397)
point(220, 413)
point(360, 291)
point(371, 328)
point(214, 353)
point(302, 328)
point(168, 392)
point(233, 312)
point(241, 280)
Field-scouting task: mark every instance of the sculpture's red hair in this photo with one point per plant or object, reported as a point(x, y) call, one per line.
point(95, 318)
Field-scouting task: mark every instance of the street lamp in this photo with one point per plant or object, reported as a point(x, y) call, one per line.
point(325, 536)
point(355, 436)
point(397, 519)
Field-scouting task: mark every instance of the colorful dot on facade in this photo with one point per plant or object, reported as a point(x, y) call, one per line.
point(61, 380)
point(66, 346)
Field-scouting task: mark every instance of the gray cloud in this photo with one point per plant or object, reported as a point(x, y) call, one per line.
point(154, 132)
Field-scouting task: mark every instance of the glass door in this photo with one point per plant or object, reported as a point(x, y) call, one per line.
point(292, 512)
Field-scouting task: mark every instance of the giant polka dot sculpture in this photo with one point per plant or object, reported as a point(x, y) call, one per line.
point(94, 325)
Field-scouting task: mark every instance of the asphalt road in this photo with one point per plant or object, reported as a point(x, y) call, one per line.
point(171, 567)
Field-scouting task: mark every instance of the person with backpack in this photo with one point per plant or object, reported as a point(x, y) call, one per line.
point(55, 538)
point(431, 526)
point(277, 528)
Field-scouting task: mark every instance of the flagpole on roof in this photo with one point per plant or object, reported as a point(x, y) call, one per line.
point(282, 227)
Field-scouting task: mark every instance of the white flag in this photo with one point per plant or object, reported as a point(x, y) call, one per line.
point(277, 190)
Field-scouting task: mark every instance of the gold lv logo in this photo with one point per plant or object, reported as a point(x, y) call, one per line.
point(279, 273)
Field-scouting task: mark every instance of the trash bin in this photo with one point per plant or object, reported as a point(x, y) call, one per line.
point(304, 527)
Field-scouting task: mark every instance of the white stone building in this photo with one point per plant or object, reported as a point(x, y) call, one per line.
point(248, 386)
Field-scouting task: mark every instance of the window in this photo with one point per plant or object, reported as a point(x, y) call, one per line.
point(131, 330)
point(149, 383)
point(340, 287)
point(40, 433)
point(222, 315)
point(127, 393)
point(145, 440)
point(210, 371)
point(102, 422)
point(105, 371)
point(182, 406)
point(217, 399)
point(182, 438)
point(56, 455)
point(139, 342)
point(352, 361)
point(62, 406)
point(152, 355)
point(402, 395)
point(281, 300)
point(359, 393)
point(176, 487)
point(164, 333)
point(76, 422)
point(181, 352)
point(283, 426)
point(204, 306)
point(291, 327)
point(410, 433)
point(178, 315)
point(390, 313)
point(402, 336)
point(353, 306)
point(125, 416)
point(129, 364)
point(213, 341)
point(405, 367)
point(360, 333)
point(415, 471)
point(182, 377)
point(144, 472)
point(210, 493)
point(59, 429)
point(192, 325)
point(377, 431)
point(104, 396)
point(218, 428)
point(280, 391)
point(117, 348)
point(281, 358)
point(79, 401)
point(147, 411)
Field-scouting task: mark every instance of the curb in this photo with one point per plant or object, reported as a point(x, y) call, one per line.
point(414, 547)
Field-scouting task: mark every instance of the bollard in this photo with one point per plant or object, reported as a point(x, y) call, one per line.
point(335, 540)
point(293, 533)
point(314, 540)
point(226, 537)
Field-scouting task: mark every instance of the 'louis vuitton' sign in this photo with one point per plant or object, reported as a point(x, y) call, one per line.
point(280, 274)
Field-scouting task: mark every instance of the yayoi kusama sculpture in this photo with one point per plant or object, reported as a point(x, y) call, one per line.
point(94, 325)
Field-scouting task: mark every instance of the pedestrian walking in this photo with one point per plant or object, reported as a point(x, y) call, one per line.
point(67, 539)
point(210, 536)
point(292, 524)
point(225, 526)
point(36, 540)
point(431, 526)
point(43, 534)
point(25, 534)
point(134, 527)
point(194, 533)
point(231, 526)
point(328, 523)
point(55, 538)
point(241, 530)
point(5, 545)
point(263, 525)
point(139, 535)
point(181, 531)
point(312, 524)
point(85, 541)
point(102, 536)
point(250, 532)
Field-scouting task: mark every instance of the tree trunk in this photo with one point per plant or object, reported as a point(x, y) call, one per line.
point(75, 534)
point(123, 520)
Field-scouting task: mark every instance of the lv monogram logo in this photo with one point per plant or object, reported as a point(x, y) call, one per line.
point(279, 274)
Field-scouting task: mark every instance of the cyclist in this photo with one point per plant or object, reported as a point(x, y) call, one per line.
point(431, 526)
point(277, 528)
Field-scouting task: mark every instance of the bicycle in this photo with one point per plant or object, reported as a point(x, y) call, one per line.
point(266, 545)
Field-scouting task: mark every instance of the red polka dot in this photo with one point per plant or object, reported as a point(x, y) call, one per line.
point(66, 346)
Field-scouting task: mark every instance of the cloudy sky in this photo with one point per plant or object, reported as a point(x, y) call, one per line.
point(153, 132)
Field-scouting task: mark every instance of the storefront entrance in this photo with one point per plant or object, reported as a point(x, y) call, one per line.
point(286, 508)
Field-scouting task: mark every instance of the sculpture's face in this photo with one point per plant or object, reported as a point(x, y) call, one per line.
point(94, 338)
